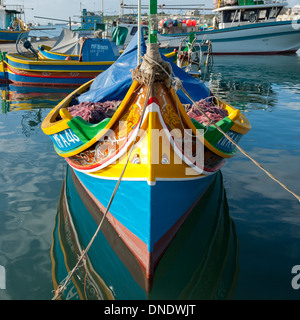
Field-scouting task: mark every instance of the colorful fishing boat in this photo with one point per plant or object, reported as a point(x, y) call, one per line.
point(11, 24)
point(97, 56)
point(45, 52)
point(67, 46)
point(146, 165)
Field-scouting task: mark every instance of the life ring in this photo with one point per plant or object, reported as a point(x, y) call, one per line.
point(252, 17)
point(23, 26)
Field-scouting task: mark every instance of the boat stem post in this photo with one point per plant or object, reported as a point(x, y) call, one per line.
point(153, 24)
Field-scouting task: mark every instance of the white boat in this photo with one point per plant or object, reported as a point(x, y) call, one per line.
point(240, 27)
point(250, 28)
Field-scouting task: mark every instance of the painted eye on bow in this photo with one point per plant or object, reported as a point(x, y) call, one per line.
point(136, 159)
point(165, 159)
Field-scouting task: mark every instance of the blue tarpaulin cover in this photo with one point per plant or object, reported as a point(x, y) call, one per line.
point(114, 83)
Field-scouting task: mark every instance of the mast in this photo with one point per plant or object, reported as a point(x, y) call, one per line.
point(153, 24)
point(152, 68)
point(139, 33)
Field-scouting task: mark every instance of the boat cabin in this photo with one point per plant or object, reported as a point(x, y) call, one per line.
point(10, 19)
point(92, 20)
point(238, 15)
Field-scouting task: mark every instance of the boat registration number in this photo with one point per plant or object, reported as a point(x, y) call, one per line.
point(226, 145)
point(66, 140)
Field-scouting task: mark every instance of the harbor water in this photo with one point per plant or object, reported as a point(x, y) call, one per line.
point(251, 253)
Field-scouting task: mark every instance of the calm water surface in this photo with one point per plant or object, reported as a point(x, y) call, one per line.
point(259, 221)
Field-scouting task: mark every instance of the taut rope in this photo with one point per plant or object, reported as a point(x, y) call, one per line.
point(178, 85)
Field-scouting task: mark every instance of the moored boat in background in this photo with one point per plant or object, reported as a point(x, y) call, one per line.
point(248, 27)
point(11, 24)
point(67, 46)
point(97, 56)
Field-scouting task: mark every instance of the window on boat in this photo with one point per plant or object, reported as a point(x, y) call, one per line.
point(250, 15)
point(134, 30)
point(262, 14)
point(231, 16)
point(227, 16)
point(235, 16)
point(274, 12)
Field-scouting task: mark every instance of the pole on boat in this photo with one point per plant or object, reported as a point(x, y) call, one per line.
point(139, 33)
point(153, 24)
point(153, 63)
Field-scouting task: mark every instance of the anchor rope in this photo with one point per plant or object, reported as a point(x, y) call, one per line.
point(62, 287)
point(178, 85)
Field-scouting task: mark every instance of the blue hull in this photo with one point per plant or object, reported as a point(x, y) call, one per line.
point(208, 231)
point(147, 211)
point(60, 66)
point(11, 36)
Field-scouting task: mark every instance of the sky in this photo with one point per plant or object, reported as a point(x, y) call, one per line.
point(63, 9)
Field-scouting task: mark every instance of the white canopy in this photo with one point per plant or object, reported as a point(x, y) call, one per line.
point(67, 42)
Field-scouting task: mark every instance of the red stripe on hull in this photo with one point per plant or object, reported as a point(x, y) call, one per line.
point(45, 84)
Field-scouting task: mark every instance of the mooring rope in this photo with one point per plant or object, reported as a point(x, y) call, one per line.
point(237, 146)
point(62, 287)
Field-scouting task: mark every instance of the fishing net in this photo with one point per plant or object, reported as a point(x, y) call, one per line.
point(94, 112)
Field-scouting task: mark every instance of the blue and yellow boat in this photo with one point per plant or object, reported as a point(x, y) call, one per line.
point(45, 52)
point(169, 160)
point(97, 56)
point(67, 46)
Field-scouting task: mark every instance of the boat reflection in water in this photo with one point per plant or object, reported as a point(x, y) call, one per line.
point(200, 263)
point(15, 98)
